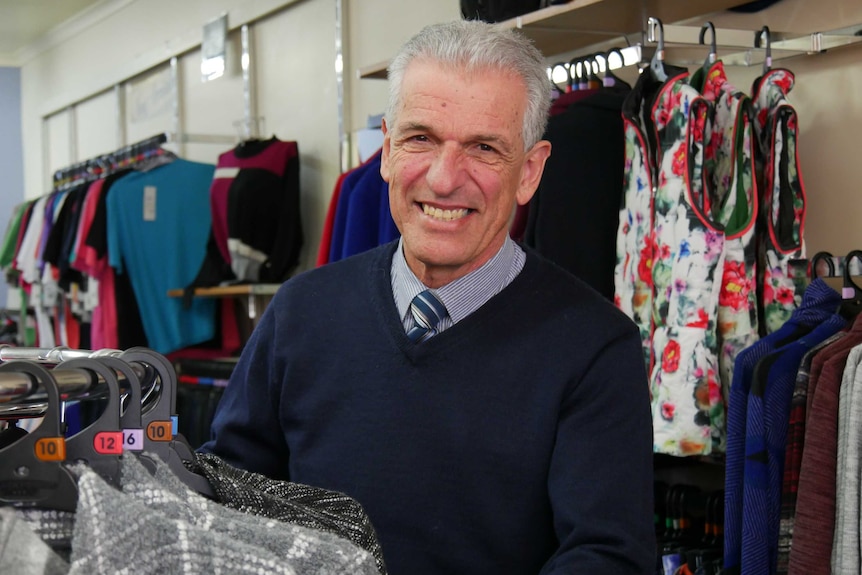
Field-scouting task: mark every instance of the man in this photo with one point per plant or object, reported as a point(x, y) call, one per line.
point(514, 436)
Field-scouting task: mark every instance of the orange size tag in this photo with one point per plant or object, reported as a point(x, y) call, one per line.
point(51, 449)
point(159, 431)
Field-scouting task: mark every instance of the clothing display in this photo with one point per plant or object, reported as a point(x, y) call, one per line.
point(572, 217)
point(462, 396)
point(256, 222)
point(149, 213)
point(360, 217)
point(155, 515)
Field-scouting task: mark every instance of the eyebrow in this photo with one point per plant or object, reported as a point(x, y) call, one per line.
point(481, 138)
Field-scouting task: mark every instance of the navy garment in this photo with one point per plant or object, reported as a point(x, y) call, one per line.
point(819, 302)
point(362, 217)
point(767, 420)
point(518, 441)
point(574, 215)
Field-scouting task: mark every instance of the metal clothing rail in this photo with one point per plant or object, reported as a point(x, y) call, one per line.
point(21, 396)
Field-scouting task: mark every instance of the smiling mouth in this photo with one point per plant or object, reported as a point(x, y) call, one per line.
point(444, 215)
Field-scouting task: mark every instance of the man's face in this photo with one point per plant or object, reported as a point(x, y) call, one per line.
point(456, 167)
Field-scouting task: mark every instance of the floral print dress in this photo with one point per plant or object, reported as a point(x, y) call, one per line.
point(670, 249)
point(781, 247)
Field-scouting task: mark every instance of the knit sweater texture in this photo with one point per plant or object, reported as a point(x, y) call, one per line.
point(517, 441)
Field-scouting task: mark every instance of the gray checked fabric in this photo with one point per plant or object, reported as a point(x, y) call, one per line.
point(150, 528)
point(291, 502)
point(22, 551)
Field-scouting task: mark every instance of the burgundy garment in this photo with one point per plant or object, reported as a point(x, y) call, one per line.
point(811, 548)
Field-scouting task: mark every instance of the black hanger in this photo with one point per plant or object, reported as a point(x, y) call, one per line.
point(31, 469)
point(576, 65)
point(763, 38)
point(131, 409)
point(711, 56)
point(851, 294)
point(814, 262)
point(612, 79)
point(593, 80)
point(556, 86)
point(158, 421)
point(656, 65)
point(100, 444)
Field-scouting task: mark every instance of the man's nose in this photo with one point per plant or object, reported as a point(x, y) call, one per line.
point(447, 170)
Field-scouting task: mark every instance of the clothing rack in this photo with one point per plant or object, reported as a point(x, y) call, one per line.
point(21, 396)
point(130, 155)
point(96, 167)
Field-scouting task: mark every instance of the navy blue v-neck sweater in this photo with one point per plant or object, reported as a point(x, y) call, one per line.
point(516, 442)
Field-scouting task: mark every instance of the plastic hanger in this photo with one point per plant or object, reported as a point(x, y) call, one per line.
point(131, 409)
point(711, 56)
point(851, 293)
point(593, 80)
point(158, 422)
point(610, 78)
point(32, 473)
point(656, 65)
point(100, 444)
point(576, 67)
point(762, 39)
point(556, 86)
point(814, 262)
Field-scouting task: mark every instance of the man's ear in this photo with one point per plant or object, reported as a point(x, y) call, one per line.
point(531, 171)
point(384, 156)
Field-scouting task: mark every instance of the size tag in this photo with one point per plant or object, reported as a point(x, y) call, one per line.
point(159, 431)
point(50, 449)
point(149, 203)
point(108, 442)
point(133, 439)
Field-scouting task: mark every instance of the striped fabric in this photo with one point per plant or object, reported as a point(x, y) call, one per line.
point(427, 310)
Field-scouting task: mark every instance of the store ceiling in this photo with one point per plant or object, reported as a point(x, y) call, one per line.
point(24, 22)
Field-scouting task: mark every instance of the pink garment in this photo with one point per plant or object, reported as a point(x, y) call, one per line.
point(103, 330)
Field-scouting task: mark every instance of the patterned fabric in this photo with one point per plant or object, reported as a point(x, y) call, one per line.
point(160, 526)
point(765, 444)
point(729, 165)
point(22, 552)
point(633, 282)
point(793, 454)
point(819, 302)
point(783, 198)
point(290, 502)
point(813, 531)
point(688, 410)
point(427, 311)
point(846, 543)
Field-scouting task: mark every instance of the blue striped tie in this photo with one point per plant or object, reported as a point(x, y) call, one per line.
point(427, 310)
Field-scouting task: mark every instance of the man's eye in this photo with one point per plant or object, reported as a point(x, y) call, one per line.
point(486, 148)
point(418, 138)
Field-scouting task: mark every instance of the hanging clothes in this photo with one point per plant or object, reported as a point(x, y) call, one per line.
point(729, 165)
point(573, 216)
point(782, 199)
point(362, 216)
point(669, 247)
point(818, 304)
point(149, 215)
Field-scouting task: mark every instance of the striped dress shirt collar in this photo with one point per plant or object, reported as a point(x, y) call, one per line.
point(462, 296)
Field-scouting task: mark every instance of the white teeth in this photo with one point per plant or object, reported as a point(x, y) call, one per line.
point(445, 215)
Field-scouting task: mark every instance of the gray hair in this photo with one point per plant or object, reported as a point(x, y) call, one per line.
point(473, 45)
